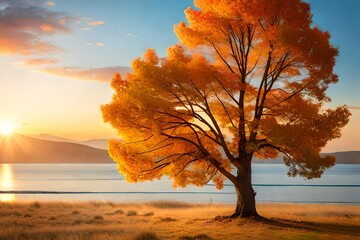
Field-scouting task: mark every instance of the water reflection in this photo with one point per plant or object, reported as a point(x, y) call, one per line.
point(6, 182)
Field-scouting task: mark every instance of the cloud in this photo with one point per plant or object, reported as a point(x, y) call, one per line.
point(63, 20)
point(37, 61)
point(23, 25)
point(85, 28)
point(104, 74)
point(96, 23)
point(354, 107)
point(98, 44)
point(50, 3)
point(131, 35)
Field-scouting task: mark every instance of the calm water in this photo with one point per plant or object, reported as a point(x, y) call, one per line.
point(102, 182)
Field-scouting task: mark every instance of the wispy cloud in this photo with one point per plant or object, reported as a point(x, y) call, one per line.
point(354, 107)
point(97, 44)
point(104, 74)
point(37, 61)
point(95, 23)
point(131, 35)
point(63, 20)
point(85, 28)
point(23, 25)
point(50, 3)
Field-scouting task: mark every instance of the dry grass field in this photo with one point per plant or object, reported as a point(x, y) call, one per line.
point(174, 220)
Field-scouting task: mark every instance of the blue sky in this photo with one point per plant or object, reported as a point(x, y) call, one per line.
point(130, 27)
point(60, 89)
point(341, 19)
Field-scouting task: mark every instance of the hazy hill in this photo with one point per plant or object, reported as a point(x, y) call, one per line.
point(22, 149)
point(348, 157)
point(96, 143)
point(48, 137)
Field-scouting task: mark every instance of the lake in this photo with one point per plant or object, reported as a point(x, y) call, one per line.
point(102, 182)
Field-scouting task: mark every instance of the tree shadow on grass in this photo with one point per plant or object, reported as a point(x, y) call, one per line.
point(317, 227)
point(310, 226)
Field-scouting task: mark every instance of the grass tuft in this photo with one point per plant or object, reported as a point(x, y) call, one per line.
point(77, 222)
point(35, 204)
point(149, 214)
point(131, 213)
point(146, 236)
point(98, 217)
point(117, 212)
point(171, 204)
point(167, 219)
point(95, 203)
point(196, 237)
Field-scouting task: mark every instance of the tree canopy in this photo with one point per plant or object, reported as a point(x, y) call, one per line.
point(249, 78)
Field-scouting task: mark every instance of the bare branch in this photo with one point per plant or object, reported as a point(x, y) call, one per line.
point(223, 105)
point(221, 169)
point(143, 140)
point(173, 155)
point(190, 125)
point(226, 90)
point(290, 96)
point(154, 149)
point(188, 163)
point(211, 177)
point(161, 166)
point(224, 60)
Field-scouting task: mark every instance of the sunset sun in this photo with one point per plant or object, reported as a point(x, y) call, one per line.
point(6, 128)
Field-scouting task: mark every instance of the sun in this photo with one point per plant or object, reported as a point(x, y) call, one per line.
point(6, 128)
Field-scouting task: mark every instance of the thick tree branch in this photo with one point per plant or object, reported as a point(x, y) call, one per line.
point(203, 150)
point(221, 136)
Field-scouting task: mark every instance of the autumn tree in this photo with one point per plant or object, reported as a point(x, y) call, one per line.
point(248, 80)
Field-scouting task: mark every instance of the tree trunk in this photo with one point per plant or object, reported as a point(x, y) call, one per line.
point(245, 205)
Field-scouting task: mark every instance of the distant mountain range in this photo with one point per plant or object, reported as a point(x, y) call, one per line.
point(18, 148)
point(46, 148)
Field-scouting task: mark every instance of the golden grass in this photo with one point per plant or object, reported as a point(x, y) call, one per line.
point(174, 220)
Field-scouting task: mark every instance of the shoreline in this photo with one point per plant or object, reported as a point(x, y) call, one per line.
point(23, 196)
point(260, 202)
point(174, 220)
point(105, 197)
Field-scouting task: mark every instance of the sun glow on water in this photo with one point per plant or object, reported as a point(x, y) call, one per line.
point(7, 197)
point(6, 183)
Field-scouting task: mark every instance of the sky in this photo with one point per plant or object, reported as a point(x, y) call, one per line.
point(57, 59)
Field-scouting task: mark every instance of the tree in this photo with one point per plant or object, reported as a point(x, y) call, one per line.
point(249, 80)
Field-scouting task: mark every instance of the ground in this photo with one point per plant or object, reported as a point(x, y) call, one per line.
point(174, 220)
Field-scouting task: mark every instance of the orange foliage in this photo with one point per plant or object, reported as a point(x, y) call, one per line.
point(251, 79)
